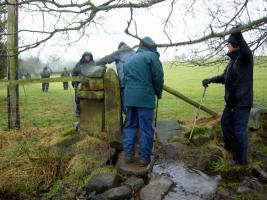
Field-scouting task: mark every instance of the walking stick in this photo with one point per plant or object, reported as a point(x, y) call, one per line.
point(156, 117)
point(197, 113)
point(155, 125)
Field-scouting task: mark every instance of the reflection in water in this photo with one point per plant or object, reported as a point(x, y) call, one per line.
point(189, 184)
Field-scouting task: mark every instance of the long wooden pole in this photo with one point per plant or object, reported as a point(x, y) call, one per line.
point(12, 65)
point(45, 80)
point(188, 100)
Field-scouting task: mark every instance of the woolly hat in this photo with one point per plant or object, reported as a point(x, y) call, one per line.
point(232, 40)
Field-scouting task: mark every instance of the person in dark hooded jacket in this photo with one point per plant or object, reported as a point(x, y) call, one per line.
point(238, 81)
point(46, 73)
point(143, 79)
point(87, 58)
point(120, 57)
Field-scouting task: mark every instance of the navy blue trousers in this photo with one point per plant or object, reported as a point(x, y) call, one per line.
point(138, 118)
point(234, 126)
point(123, 107)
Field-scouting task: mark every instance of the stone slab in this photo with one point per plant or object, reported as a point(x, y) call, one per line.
point(133, 169)
point(135, 183)
point(93, 84)
point(92, 71)
point(167, 129)
point(117, 193)
point(102, 182)
point(256, 116)
point(91, 94)
point(91, 117)
point(156, 189)
point(113, 115)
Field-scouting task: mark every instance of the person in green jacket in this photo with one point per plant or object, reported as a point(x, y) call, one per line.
point(143, 79)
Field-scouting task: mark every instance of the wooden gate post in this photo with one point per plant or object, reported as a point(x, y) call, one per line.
point(12, 65)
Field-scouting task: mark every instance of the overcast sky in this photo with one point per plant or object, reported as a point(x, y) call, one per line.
point(103, 41)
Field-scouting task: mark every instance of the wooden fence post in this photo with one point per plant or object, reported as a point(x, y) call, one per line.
point(12, 65)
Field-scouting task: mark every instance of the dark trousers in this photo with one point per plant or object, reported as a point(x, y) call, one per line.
point(66, 85)
point(123, 107)
point(45, 87)
point(77, 101)
point(138, 118)
point(234, 126)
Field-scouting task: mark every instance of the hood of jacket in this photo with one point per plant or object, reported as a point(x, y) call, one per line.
point(123, 46)
point(147, 44)
point(86, 53)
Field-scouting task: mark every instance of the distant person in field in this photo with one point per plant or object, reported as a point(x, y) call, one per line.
point(87, 58)
point(27, 75)
point(65, 73)
point(46, 73)
point(238, 80)
point(143, 79)
point(120, 57)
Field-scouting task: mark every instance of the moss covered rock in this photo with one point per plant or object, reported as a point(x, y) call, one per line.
point(200, 135)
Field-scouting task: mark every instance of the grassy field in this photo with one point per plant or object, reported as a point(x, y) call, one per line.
point(56, 108)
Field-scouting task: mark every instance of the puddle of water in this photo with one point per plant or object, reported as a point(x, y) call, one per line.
point(189, 184)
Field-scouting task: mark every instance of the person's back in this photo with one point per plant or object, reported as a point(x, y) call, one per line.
point(143, 79)
point(45, 73)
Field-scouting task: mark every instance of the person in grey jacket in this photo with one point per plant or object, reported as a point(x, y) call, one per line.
point(120, 57)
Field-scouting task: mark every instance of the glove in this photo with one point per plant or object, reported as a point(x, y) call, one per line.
point(206, 82)
point(159, 96)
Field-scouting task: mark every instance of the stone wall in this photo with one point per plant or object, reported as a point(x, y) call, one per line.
point(101, 107)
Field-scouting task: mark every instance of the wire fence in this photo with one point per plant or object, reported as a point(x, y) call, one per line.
point(56, 108)
point(41, 109)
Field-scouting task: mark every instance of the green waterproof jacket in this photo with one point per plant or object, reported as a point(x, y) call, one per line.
point(143, 77)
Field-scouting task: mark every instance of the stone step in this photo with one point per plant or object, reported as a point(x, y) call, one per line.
point(157, 188)
point(102, 182)
point(133, 169)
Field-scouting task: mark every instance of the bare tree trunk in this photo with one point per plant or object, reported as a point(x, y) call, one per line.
point(12, 66)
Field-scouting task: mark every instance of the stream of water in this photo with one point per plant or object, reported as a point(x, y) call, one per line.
point(190, 184)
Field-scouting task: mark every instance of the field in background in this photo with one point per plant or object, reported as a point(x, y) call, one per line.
point(187, 80)
point(56, 108)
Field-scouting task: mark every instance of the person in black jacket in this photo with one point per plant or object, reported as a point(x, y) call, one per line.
point(238, 80)
point(87, 58)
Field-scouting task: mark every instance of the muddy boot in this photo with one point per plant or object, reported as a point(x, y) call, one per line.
point(143, 163)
